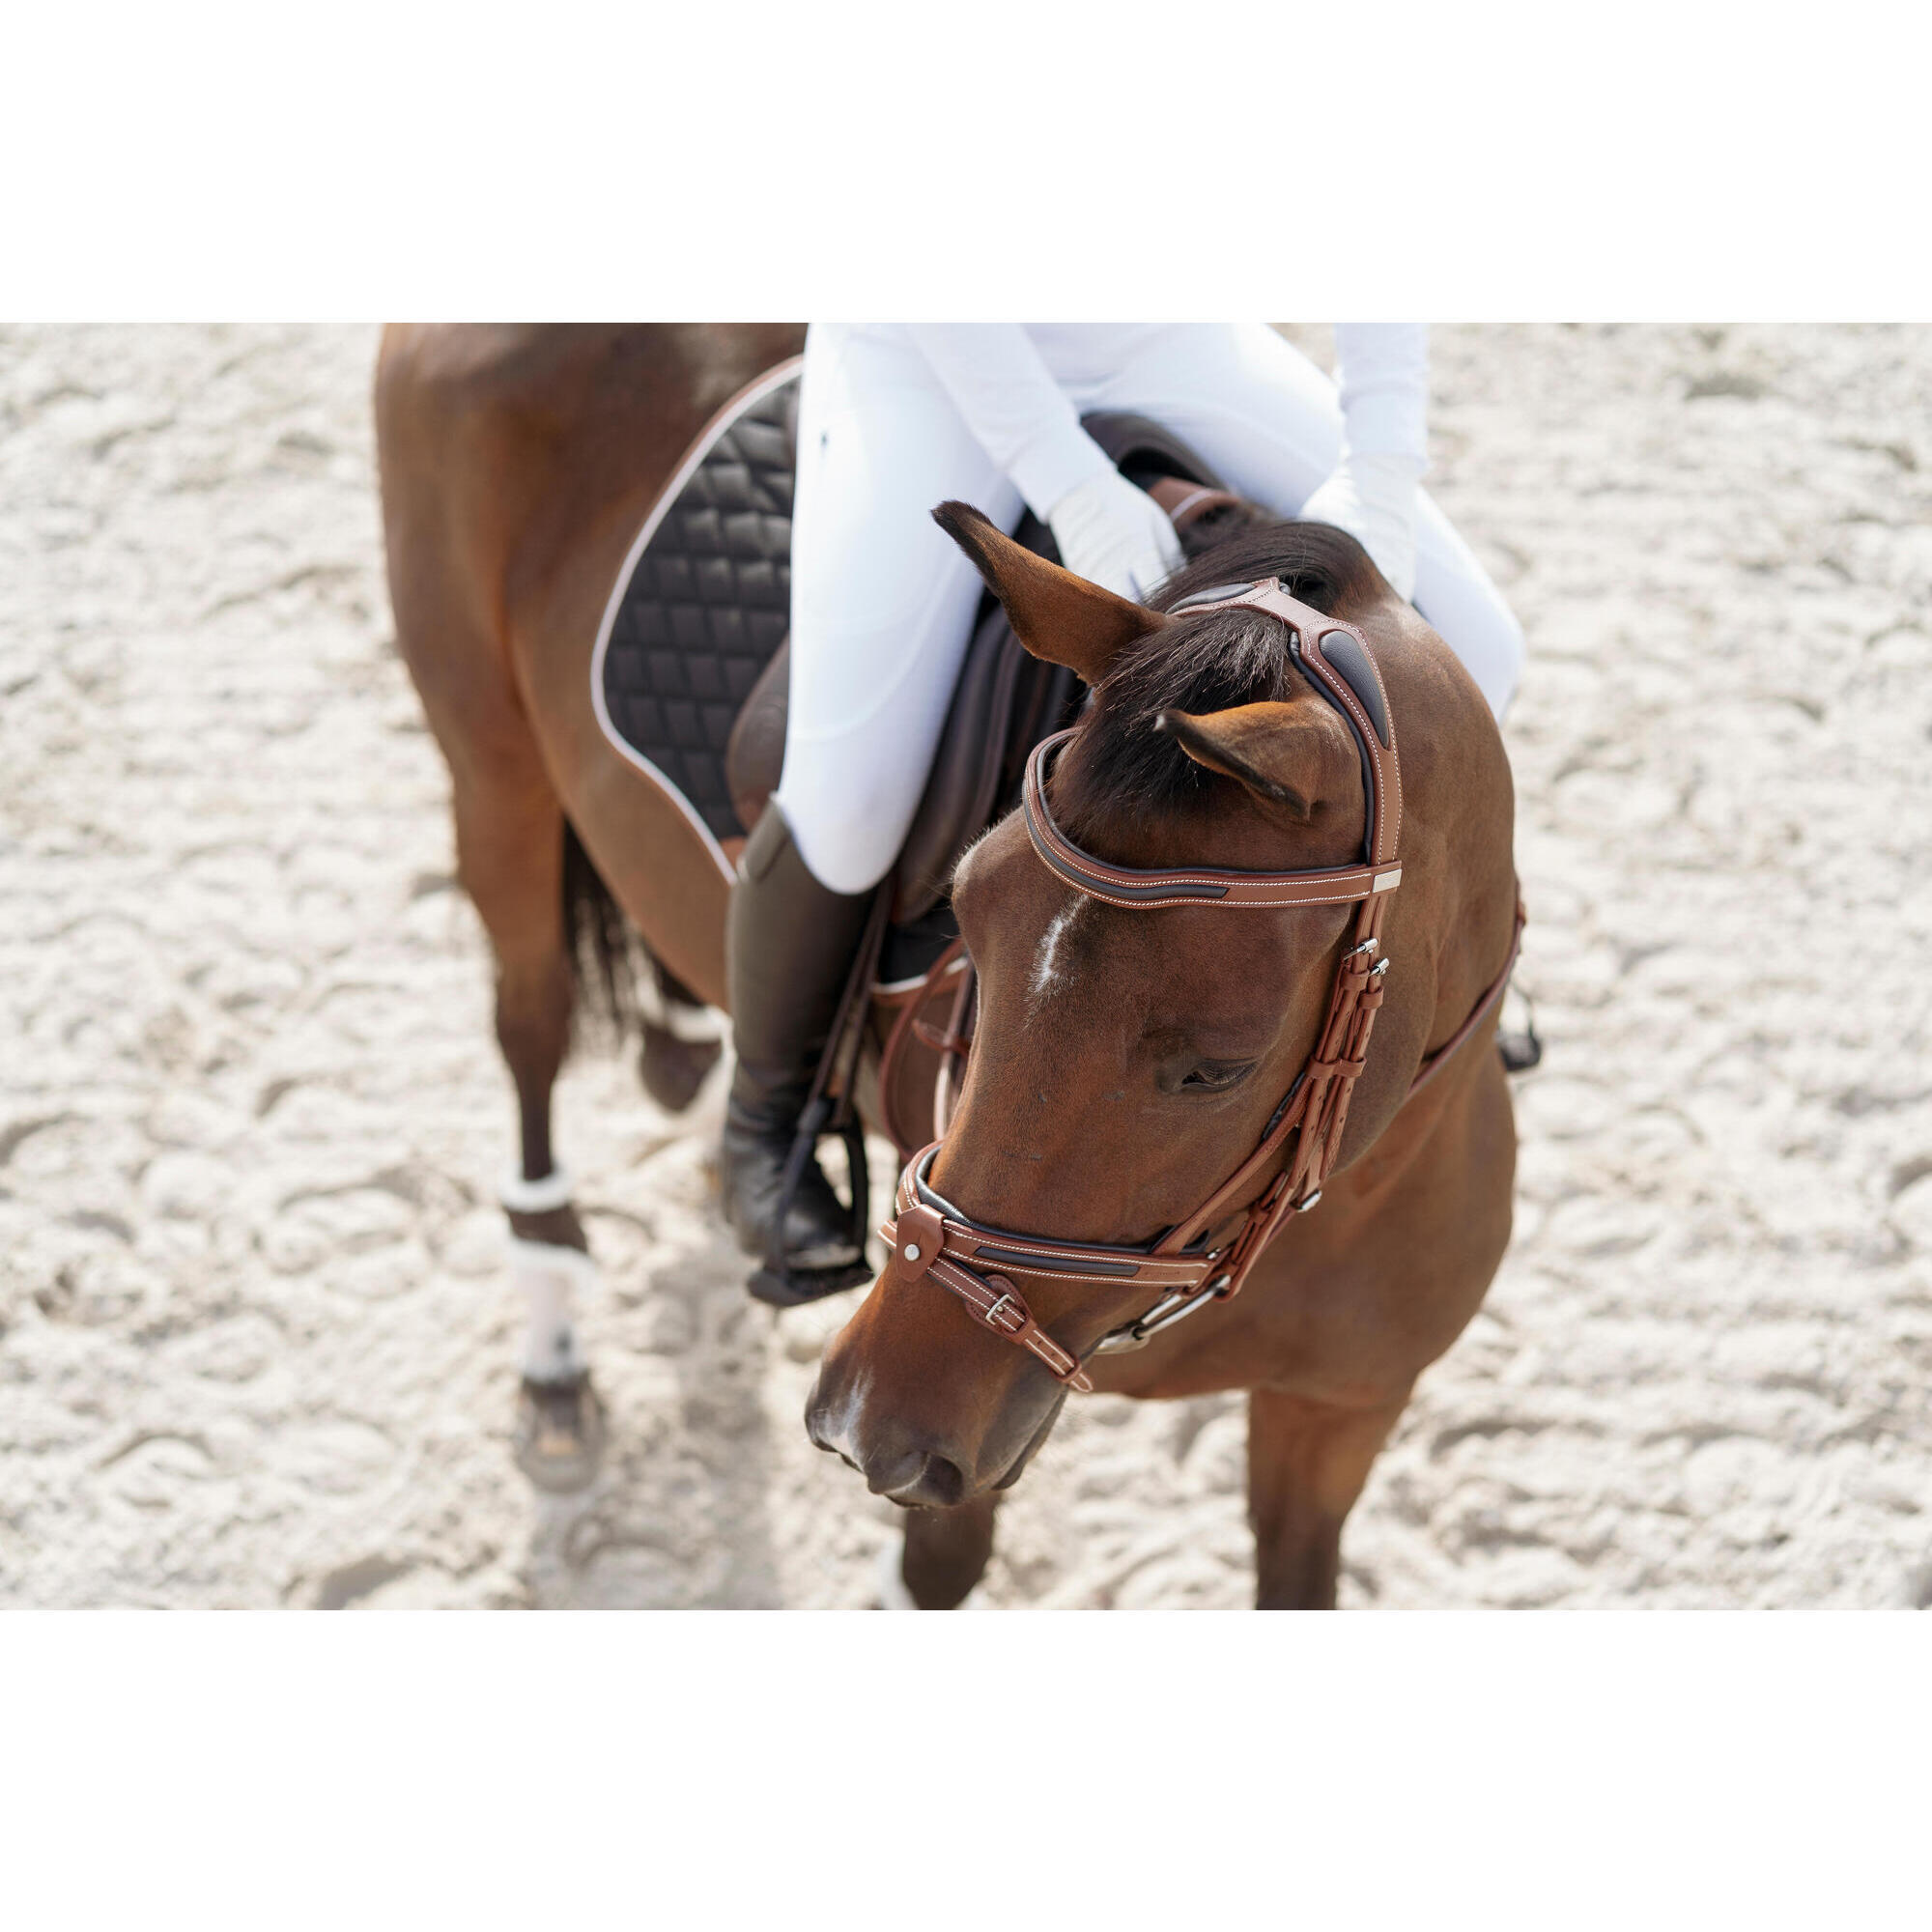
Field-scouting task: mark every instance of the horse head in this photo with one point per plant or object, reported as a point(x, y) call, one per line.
point(1126, 1061)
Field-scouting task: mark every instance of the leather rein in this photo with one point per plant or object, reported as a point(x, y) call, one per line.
point(983, 1266)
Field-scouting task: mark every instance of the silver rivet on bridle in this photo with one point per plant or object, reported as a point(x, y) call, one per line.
point(912, 1251)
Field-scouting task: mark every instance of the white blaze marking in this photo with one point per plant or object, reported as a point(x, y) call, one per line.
point(841, 1430)
point(1046, 974)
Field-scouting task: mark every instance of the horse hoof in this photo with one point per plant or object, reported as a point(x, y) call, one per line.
point(560, 1433)
point(674, 1070)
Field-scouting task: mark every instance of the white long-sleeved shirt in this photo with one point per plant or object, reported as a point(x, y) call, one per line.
point(1010, 382)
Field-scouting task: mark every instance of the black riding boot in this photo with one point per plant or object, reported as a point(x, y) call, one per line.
point(789, 946)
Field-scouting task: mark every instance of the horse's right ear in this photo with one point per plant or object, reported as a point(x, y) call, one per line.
point(1055, 614)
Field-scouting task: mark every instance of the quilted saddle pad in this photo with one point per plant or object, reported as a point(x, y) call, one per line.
point(702, 604)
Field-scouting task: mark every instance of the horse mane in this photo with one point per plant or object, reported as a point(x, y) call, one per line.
point(1127, 769)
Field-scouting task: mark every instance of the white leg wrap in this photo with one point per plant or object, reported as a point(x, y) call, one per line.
point(548, 1275)
point(537, 1196)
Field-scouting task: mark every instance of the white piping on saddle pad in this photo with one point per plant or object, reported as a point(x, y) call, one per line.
point(707, 439)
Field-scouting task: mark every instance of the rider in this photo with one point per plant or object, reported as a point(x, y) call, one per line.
point(894, 420)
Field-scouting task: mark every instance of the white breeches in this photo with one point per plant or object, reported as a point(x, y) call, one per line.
point(882, 600)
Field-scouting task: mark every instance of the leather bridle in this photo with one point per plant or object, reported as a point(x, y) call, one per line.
point(984, 1266)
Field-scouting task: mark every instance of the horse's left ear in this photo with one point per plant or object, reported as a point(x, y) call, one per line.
point(1058, 617)
point(1297, 755)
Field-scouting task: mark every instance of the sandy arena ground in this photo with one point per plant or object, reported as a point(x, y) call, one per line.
point(256, 1338)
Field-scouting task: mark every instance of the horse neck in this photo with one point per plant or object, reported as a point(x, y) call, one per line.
point(1457, 845)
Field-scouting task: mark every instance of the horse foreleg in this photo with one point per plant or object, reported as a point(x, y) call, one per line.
point(1307, 1462)
point(945, 1553)
point(509, 841)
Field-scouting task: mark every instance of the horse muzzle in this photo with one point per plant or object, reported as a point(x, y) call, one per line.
point(920, 1434)
point(895, 1461)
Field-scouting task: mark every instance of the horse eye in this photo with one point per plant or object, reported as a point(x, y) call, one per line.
point(1213, 1076)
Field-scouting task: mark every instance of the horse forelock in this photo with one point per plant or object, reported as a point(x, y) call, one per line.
point(1126, 769)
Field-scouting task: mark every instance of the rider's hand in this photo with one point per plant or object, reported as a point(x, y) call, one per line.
point(1115, 536)
point(1375, 499)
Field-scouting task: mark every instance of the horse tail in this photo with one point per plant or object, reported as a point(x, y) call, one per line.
point(629, 990)
point(603, 949)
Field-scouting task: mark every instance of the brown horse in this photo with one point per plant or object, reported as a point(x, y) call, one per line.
point(1128, 1062)
point(1125, 1062)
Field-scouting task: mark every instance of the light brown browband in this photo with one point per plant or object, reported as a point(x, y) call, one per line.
point(983, 1266)
point(1149, 892)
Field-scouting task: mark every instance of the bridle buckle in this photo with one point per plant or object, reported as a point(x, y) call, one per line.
point(992, 1316)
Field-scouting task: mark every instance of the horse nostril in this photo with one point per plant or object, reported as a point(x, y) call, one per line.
point(919, 1481)
point(887, 1476)
point(942, 1483)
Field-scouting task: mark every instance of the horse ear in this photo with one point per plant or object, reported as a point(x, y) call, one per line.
point(1297, 755)
point(1058, 617)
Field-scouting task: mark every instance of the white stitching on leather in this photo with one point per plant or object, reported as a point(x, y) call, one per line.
point(1235, 882)
point(1152, 1272)
point(1090, 875)
point(1243, 904)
